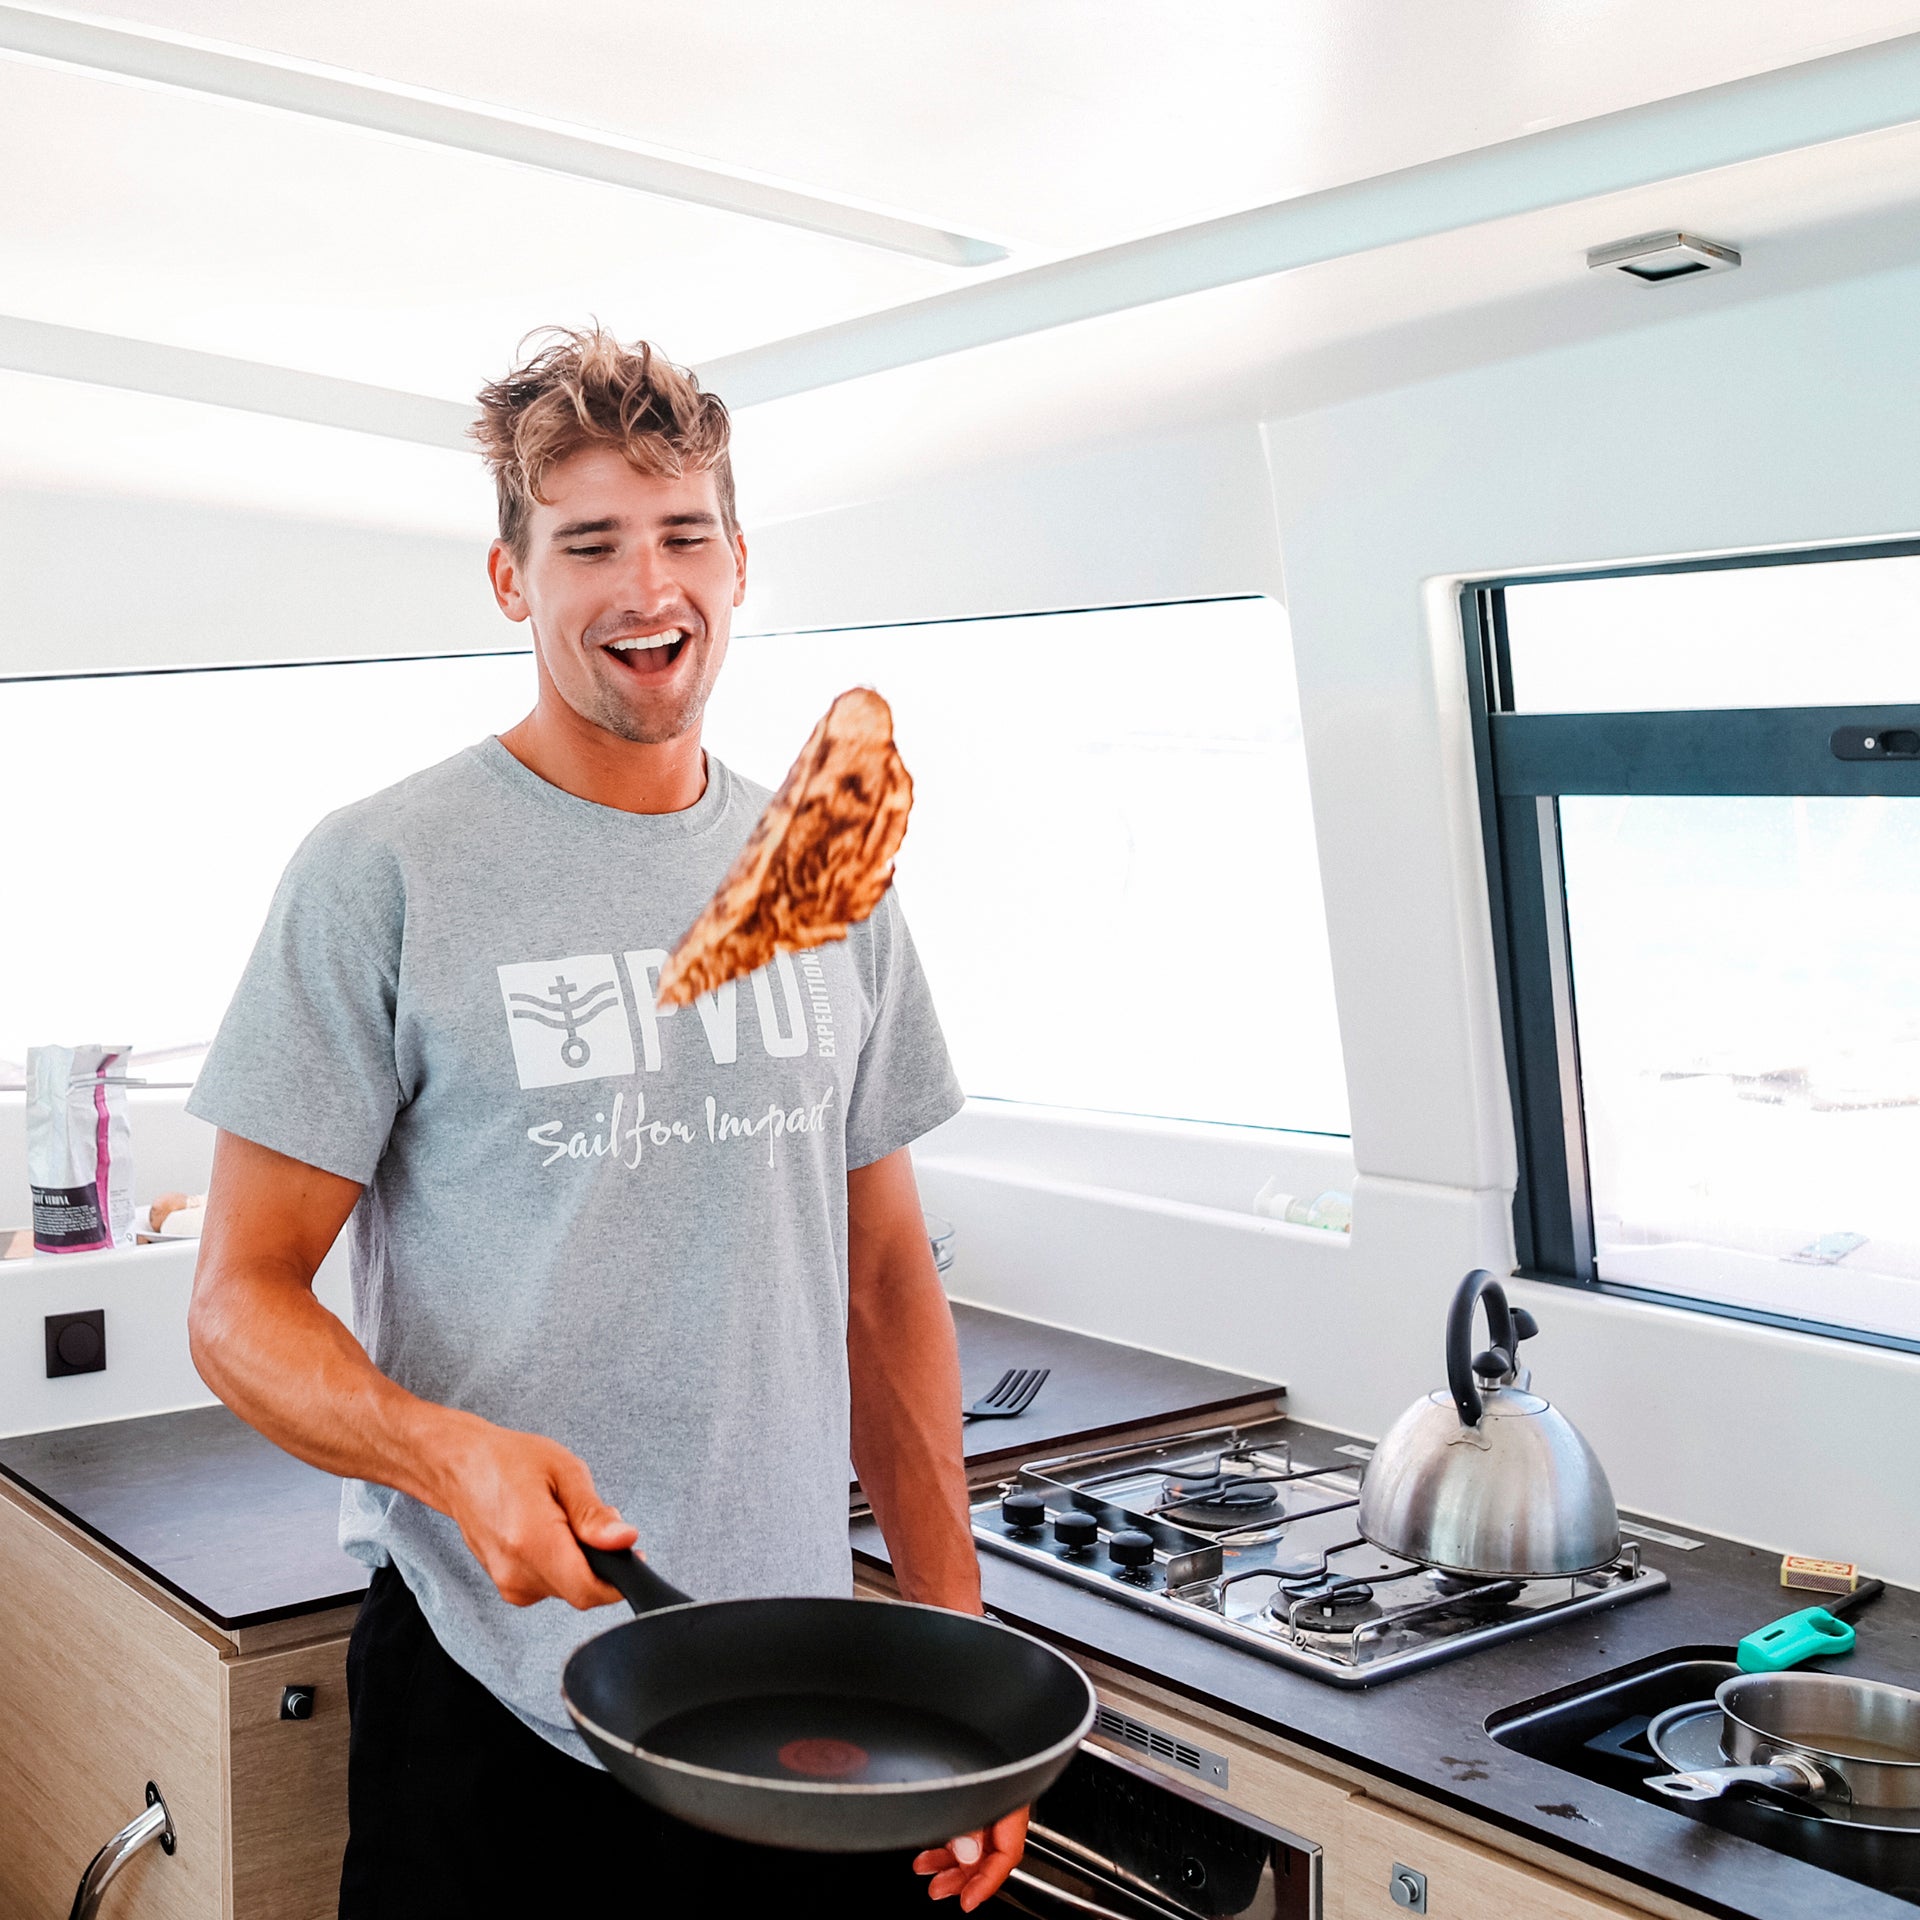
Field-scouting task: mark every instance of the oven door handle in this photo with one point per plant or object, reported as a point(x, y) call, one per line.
point(1074, 1902)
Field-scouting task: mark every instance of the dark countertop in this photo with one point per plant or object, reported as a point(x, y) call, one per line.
point(201, 1504)
point(244, 1533)
point(1426, 1730)
point(1097, 1387)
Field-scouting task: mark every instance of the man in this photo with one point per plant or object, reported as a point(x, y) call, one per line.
point(590, 1313)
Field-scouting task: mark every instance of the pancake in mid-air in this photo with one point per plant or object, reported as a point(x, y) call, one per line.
point(818, 860)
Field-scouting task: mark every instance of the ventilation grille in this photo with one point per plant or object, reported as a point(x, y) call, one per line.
point(1160, 1746)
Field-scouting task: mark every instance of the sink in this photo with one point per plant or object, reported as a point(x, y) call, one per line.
point(1598, 1730)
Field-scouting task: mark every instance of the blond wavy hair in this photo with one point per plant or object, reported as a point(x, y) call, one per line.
point(581, 388)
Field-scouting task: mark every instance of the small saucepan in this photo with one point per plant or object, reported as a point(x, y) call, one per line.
point(835, 1725)
point(1823, 1738)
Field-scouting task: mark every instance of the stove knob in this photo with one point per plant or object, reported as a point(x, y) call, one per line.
point(1023, 1510)
point(1131, 1548)
point(1076, 1531)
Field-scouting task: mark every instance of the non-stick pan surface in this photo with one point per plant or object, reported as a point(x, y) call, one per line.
point(841, 1726)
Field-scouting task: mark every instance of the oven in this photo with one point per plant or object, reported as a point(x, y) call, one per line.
point(1114, 1840)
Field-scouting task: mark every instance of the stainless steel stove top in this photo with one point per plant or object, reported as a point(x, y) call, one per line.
point(1243, 1544)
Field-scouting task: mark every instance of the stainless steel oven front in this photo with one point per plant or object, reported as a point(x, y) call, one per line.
point(1113, 1839)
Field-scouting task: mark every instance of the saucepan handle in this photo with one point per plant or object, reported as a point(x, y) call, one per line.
point(1787, 1775)
point(1478, 1285)
point(638, 1585)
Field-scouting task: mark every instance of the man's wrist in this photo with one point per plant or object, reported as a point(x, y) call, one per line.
point(958, 1592)
point(440, 1443)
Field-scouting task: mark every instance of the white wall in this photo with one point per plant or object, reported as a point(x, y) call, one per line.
point(95, 581)
point(143, 1291)
point(1184, 516)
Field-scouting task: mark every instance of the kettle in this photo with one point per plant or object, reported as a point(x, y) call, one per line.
point(1486, 1478)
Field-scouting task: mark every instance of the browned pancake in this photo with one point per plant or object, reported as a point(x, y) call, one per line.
point(818, 860)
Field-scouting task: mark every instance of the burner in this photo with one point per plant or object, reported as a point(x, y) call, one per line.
point(1217, 1498)
point(1330, 1611)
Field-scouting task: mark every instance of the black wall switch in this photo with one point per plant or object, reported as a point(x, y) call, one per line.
point(76, 1343)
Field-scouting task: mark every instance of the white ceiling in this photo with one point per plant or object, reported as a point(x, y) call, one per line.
point(271, 236)
point(1312, 337)
point(1054, 127)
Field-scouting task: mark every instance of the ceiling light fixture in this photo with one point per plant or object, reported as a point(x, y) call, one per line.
point(1654, 257)
point(261, 79)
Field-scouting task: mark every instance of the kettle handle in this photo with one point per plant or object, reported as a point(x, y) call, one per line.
point(1478, 1285)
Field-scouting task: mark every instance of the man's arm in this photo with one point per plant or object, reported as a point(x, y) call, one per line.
point(905, 1371)
point(287, 1366)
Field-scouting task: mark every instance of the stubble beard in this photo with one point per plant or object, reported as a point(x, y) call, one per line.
point(607, 710)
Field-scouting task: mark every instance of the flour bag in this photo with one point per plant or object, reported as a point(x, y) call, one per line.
point(79, 1151)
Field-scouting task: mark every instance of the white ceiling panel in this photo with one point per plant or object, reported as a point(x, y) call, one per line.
point(1319, 334)
point(62, 436)
point(1053, 125)
point(269, 236)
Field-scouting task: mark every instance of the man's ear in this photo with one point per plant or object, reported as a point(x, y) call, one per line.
point(504, 572)
point(739, 568)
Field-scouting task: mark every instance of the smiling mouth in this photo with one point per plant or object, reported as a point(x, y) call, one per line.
point(649, 652)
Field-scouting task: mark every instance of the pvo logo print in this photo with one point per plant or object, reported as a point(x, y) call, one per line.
point(567, 1020)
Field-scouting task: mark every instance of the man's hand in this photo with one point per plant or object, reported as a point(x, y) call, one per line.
point(522, 1504)
point(976, 1865)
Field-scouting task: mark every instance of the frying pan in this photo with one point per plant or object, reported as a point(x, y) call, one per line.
point(838, 1726)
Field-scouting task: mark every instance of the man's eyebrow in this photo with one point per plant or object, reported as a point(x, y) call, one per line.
point(613, 523)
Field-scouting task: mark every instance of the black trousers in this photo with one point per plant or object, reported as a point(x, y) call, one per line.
point(458, 1811)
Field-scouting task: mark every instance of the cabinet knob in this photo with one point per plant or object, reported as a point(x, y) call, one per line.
point(296, 1703)
point(1409, 1888)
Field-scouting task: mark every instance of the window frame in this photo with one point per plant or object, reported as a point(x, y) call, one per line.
point(1524, 763)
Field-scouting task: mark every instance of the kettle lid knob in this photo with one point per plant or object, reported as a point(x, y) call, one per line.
point(1493, 1364)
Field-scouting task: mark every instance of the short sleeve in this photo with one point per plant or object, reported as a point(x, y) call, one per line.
point(905, 1084)
point(304, 1059)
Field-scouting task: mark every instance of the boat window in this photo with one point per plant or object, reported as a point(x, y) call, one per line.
point(1809, 632)
point(1706, 918)
point(1110, 872)
point(145, 819)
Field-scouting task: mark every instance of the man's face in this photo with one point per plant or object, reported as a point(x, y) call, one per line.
point(629, 582)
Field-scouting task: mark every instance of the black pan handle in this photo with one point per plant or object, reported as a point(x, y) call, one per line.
point(1477, 1285)
point(639, 1586)
point(1863, 1595)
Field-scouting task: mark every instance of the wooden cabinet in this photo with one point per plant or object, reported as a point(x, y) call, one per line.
point(286, 1781)
point(1464, 1880)
point(107, 1683)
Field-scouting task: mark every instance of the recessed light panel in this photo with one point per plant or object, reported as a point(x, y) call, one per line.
point(1663, 256)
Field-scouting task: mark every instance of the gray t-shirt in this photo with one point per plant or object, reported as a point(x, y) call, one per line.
point(584, 1217)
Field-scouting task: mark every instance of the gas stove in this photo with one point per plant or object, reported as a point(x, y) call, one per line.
point(1223, 1531)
